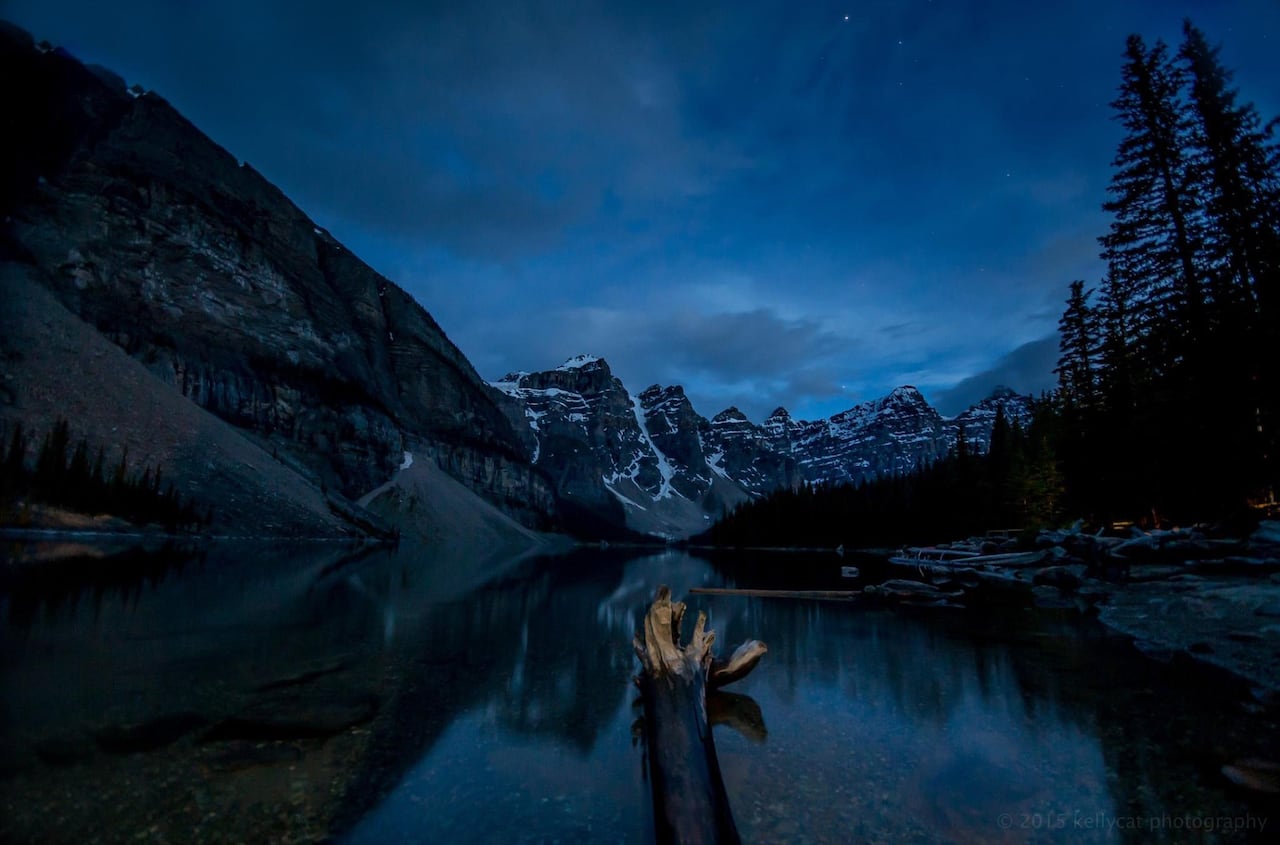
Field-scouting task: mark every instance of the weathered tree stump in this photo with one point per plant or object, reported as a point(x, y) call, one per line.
point(689, 800)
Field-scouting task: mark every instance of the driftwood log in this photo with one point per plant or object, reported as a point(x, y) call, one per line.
point(689, 800)
point(834, 595)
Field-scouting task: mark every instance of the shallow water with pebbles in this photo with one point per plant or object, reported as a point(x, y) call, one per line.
point(294, 694)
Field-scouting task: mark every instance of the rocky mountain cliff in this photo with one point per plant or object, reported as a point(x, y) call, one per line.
point(885, 436)
point(207, 275)
point(638, 461)
point(654, 462)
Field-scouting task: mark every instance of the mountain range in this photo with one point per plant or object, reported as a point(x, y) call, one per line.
point(177, 308)
point(672, 470)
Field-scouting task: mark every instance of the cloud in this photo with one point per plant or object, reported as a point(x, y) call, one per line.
point(749, 344)
point(762, 201)
point(1027, 369)
point(753, 359)
point(489, 128)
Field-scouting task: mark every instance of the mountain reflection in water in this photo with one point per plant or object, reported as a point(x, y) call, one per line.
point(301, 692)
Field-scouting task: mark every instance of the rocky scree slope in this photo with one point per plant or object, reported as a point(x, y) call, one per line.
point(199, 268)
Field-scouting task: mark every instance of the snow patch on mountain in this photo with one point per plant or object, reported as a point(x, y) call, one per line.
point(621, 498)
point(577, 362)
point(715, 460)
point(664, 466)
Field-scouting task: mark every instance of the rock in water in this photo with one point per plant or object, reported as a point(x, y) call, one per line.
point(1064, 577)
point(1254, 774)
point(150, 735)
point(1268, 533)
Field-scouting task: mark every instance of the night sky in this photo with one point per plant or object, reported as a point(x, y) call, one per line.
point(795, 203)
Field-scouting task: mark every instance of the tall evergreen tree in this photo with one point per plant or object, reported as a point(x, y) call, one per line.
point(16, 455)
point(1151, 247)
point(1079, 396)
point(1078, 343)
point(1119, 373)
point(1236, 165)
point(1118, 459)
point(1172, 361)
point(1239, 167)
point(51, 463)
point(1160, 324)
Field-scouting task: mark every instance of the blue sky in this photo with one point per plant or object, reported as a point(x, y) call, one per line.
point(802, 204)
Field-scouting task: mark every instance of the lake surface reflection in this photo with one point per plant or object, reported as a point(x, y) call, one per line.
point(297, 693)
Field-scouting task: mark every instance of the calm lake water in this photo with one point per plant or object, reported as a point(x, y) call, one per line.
point(241, 693)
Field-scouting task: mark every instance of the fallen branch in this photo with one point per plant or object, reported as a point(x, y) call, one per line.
point(843, 595)
point(738, 666)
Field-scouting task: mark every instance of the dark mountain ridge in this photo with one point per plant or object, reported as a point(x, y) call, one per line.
point(203, 271)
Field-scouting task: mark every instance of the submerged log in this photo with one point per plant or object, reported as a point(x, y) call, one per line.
point(842, 595)
point(689, 799)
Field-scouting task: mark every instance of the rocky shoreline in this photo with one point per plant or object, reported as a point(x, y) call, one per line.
point(1182, 593)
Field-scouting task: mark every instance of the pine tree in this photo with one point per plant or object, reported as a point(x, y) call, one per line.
point(1079, 395)
point(51, 464)
point(98, 477)
point(12, 471)
point(1236, 165)
point(1156, 315)
point(998, 464)
point(1000, 436)
point(1240, 169)
point(15, 457)
point(1151, 248)
point(1113, 476)
point(77, 477)
point(1119, 373)
point(1078, 343)
point(120, 477)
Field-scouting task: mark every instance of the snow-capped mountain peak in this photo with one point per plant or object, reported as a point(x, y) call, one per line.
point(669, 469)
point(577, 362)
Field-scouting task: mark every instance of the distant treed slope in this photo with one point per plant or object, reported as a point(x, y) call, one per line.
point(206, 273)
point(1014, 483)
